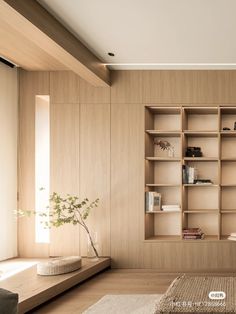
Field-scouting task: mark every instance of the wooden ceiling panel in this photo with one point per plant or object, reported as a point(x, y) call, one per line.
point(24, 52)
point(32, 38)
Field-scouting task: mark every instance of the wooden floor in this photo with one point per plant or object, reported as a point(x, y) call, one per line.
point(79, 298)
point(112, 281)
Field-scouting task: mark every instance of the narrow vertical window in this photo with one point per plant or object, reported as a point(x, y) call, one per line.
point(42, 165)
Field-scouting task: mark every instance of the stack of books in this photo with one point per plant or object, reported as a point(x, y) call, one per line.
point(193, 234)
point(232, 236)
point(152, 201)
point(170, 208)
point(189, 174)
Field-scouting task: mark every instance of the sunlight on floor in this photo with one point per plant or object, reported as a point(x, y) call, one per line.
point(11, 267)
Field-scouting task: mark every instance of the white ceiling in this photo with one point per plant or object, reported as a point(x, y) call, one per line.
point(154, 34)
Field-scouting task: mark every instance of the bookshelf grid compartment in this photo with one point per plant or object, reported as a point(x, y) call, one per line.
point(211, 207)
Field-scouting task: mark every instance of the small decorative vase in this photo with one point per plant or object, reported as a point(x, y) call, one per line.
point(90, 251)
point(171, 151)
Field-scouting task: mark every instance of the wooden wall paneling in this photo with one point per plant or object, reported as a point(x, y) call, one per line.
point(189, 86)
point(232, 88)
point(127, 184)
point(8, 160)
point(95, 171)
point(167, 87)
point(64, 87)
point(211, 86)
point(90, 94)
point(31, 84)
point(126, 87)
point(65, 120)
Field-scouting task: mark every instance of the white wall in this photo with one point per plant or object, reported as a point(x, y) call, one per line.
point(8, 161)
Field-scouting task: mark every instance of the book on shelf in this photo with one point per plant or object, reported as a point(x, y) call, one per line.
point(193, 234)
point(203, 181)
point(189, 174)
point(170, 207)
point(232, 236)
point(194, 237)
point(152, 201)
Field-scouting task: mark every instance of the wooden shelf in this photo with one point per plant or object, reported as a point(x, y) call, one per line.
point(164, 212)
point(201, 159)
point(201, 133)
point(228, 159)
point(201, 126)
point(163, 159)
point(165, 238)
point(163, 185)
point(228, 110)
point(206, 238)
point(200, 185)
point(228, 133)
point(164, 110)
point(177, 238)
point(201, 211)
point(163, 133)
point(201, 110)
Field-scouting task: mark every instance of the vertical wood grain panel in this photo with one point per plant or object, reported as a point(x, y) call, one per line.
point(189, 87)
point(8, 160)
point(126, 87)
point(31, 84)
point(90, 94)
point(127, 183)
point(95, 171)
point(210, 87)
point(64, 171)
point(64, 87)
point(167, 87)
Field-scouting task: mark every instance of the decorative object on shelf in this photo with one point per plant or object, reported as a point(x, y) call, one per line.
point(165, 145)
point(66, 210)
point(227, 129)
point(153, 201)
point(193, 234)
point(193, 152)
point(235, 126)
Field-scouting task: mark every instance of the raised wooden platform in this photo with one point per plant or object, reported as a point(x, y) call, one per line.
point(34, 290)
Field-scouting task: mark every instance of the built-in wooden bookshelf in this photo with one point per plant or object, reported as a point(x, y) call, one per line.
point(212, 207)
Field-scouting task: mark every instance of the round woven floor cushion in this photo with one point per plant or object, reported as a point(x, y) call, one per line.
point(60, 265)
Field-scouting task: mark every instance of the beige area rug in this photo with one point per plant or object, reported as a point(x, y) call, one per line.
point(125, 304)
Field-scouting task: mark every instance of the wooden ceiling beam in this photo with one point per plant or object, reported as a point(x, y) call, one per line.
point(37, 25)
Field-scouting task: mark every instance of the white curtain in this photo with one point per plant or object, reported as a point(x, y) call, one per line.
point(8, 161)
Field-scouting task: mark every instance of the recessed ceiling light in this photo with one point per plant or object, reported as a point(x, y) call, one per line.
point(111, 54)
